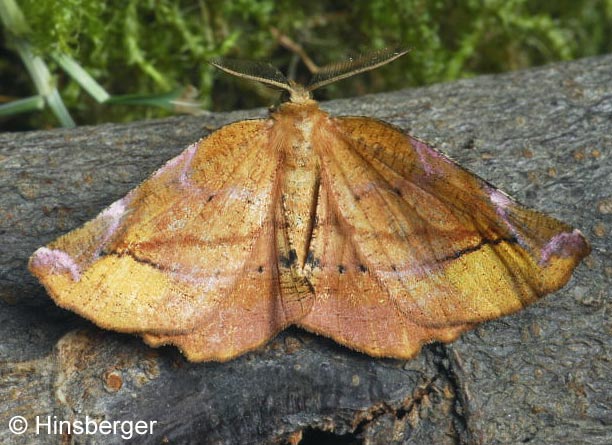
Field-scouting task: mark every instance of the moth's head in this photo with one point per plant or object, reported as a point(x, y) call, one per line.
point(269, 75)
point(298, 94)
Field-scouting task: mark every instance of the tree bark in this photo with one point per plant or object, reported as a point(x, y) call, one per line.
point(540, 376)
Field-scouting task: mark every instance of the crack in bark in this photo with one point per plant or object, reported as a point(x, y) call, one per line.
point(460, 412)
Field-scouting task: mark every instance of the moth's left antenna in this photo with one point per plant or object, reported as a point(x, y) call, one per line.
point(248, 69)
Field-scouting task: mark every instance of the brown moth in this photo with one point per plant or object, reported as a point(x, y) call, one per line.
point(345, 226)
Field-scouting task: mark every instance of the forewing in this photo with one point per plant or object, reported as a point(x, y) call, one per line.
point(442, 249)
point(189, 252)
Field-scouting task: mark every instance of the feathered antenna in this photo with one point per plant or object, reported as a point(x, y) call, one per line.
point(248, 69)
point(341, 70)
point(269, 75)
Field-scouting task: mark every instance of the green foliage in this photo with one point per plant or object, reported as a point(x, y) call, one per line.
point(152, 47)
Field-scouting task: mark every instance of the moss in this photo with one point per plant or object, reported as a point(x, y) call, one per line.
point(152, 46)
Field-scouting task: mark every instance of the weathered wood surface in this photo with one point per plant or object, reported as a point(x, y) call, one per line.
point(541, 376)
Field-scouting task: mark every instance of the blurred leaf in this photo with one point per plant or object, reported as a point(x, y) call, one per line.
point(180, 98)
point(22, 106)
point(82, 77)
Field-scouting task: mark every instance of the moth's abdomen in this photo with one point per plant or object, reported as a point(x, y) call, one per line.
point(300, 179)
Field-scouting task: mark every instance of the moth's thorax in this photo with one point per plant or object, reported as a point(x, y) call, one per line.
point(293, 129)
point(298, 110)
point(295, 133)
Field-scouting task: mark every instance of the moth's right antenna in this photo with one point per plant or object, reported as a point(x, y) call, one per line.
point(341, 70)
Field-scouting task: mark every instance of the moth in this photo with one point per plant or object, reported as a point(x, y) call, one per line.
point(347, 227)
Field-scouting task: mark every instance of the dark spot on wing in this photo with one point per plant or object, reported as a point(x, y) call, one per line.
point(288, 262)
point(311, 260)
